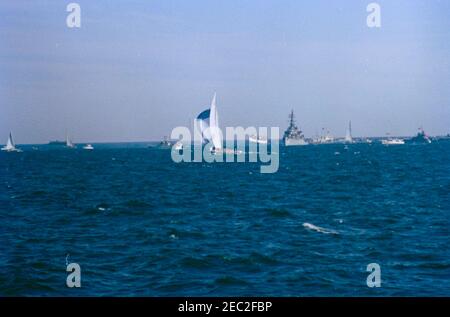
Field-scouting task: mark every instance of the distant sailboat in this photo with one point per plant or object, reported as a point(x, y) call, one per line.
point(10, 146)
point(348, 135)
point(69, 143)
point(208, 125)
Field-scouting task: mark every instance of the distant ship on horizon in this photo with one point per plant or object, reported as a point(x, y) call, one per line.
point(293, 135)
point(323, 138)
point(56, 142)
point(421, 137)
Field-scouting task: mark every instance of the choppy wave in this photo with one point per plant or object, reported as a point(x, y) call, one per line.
point(319, 229)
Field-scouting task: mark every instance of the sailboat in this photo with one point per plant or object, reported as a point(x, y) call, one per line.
point(69, 143)
point(10, 146)
point(348, 135)
point(208, 125)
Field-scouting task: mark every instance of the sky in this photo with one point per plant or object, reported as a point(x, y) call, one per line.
point(134, 70)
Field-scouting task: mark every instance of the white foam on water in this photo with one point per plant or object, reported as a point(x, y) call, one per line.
point(310, 226)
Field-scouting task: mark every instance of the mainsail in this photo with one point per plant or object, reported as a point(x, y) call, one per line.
point(208, 124)
point(10, 143)
point(348, 135)
point(68, 141)
point(10, 147)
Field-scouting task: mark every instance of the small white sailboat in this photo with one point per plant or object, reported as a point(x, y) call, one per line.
point(88, 147)
point(208, 124)
point(10, 146)
point(348, 135)
point(69, 143)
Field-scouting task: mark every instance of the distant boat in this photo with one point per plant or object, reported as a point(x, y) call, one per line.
point(10, 146)
point(208, 124)
point(56, 142)
point(257, 139)
point(392, 141)
point(165, 144)
point(88, 147)
point(69, 143)
point(421, 137)
point(293, 135)
point(348, 134)
point(323, 138)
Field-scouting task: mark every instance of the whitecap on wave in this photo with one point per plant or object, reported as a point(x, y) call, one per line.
point(310, 226)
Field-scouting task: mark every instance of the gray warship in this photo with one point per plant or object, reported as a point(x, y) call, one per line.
point(293, 135)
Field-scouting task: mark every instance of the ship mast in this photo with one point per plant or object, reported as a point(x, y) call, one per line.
point(291, 118)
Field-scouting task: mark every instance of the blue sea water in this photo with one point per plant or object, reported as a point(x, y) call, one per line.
point(139, 224)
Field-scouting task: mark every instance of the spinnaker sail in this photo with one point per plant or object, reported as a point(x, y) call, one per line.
point(208, 125)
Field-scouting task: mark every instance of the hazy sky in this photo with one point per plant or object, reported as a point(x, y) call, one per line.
point(135, 70)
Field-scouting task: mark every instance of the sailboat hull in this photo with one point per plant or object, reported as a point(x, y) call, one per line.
point(10, 150)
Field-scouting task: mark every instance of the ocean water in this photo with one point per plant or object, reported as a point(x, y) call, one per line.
point(139, 224)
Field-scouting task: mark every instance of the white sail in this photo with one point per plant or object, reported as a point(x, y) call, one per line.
point(208, 125)
point(216, 137)
point(348, 135)
point(10, 146)
point(10, 143)
point(69, 141)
